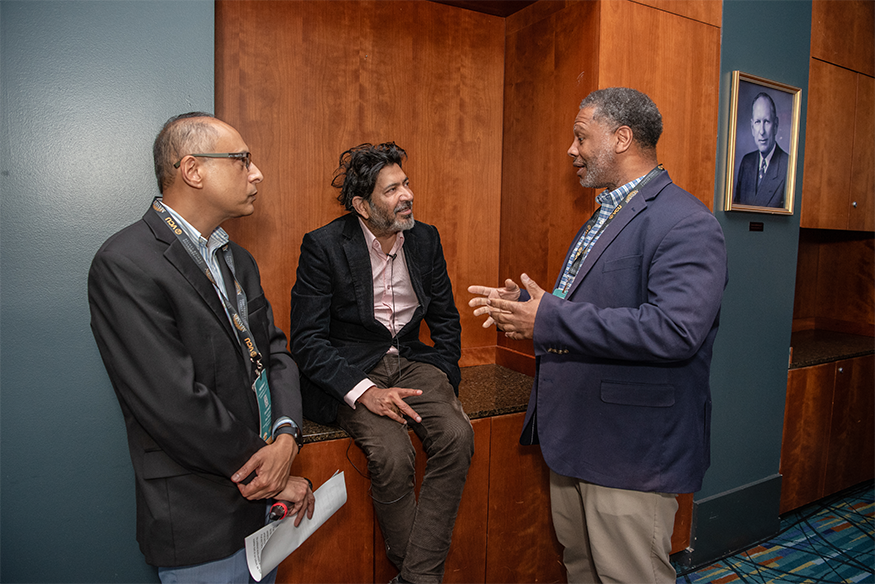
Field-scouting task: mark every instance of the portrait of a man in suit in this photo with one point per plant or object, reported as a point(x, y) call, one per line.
point(762, 176)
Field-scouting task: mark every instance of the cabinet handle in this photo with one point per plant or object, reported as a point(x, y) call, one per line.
point(854, 204)
point(841, 369)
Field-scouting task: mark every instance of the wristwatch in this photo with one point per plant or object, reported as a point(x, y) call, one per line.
point(286, 425)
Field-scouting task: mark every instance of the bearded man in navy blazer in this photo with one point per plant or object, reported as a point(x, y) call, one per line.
point(185, 332)
point(365, 283)
point(621, 404)
point(762, 176)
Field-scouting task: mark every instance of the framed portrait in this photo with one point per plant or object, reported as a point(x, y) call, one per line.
point(763, 139)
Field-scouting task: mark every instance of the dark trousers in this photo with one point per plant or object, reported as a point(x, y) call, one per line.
point(417, 533)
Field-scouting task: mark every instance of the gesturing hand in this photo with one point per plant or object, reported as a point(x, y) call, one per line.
point(390, 402)
point(517, 319)
point(511, 292)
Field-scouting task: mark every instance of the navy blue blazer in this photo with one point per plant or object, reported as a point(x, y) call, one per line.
point(335, 338)
point(183, 381)
point(771, 191)
point(621, 395)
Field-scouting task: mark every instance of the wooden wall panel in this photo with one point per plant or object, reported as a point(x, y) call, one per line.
point(522, 546)
point(468, 548)
point(304, 81)
point(845, 273)
point(706, 11)
point(348, 534)
point(842, 33)
point(676, 61)
point(550, 66)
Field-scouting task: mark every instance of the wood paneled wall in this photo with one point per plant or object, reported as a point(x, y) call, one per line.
point(834, 276)
point(556, 53)
point(484, 107)
point(305, 80)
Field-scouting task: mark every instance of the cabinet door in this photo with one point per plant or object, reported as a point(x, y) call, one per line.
point(862, 212)
point(806, 433)
point(832, 94)
point(851, 452)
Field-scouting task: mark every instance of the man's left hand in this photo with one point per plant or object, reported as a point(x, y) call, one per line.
point(517, 319)
point(271, 465)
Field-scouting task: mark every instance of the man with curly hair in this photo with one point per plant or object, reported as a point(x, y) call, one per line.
point(365, 282)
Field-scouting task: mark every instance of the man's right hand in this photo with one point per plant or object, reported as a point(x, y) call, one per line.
point(390, 402)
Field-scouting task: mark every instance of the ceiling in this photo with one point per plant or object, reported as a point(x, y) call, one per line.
point(494, 7)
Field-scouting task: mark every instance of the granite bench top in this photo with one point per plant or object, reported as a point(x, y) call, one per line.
point(485, 391)
point(814, 347)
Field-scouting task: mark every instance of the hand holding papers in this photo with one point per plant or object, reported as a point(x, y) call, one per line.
point(270, 545)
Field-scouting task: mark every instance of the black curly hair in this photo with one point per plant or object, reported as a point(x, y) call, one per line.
point(359, 168)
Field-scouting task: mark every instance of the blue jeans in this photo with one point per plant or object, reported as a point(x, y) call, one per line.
point(230, 570)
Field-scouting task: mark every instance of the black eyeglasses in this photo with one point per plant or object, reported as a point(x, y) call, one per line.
point(246, 157)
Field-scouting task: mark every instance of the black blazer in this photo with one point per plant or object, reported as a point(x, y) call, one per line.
point(335, 338)
point(184, 385)
point(770, 193)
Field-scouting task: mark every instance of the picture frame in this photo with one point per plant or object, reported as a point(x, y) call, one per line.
point(763, 123)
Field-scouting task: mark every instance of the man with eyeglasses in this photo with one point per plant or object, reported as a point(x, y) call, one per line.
point(365, 282)
point(208, 390)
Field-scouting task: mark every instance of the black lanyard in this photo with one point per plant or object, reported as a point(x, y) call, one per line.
point(239, 315)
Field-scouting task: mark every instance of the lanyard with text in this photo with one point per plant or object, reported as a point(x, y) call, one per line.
point(239, 316)
point(562, 290)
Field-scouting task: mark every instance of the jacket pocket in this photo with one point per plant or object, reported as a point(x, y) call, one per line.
point(637, 394)
point(157, 465)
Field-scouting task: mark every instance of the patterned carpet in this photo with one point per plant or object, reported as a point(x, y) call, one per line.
point(832, 540)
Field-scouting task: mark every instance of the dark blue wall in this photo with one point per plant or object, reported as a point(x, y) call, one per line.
point(85, 88)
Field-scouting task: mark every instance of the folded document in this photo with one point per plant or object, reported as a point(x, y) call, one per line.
point(271, 544)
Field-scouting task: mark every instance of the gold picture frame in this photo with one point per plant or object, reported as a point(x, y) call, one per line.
point(768, 113)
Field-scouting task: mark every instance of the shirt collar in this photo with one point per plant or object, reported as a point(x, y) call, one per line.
point(610, 199)
point(768, 157)
point(217, 239)
point(373, 244)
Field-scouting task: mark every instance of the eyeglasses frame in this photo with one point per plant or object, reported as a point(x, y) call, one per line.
point(246, 157)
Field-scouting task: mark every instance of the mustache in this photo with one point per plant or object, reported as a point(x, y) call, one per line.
point(404, 206)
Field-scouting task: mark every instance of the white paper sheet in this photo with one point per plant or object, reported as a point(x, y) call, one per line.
point(270, 545)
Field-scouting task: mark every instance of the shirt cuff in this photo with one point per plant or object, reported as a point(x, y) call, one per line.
point(357, 391)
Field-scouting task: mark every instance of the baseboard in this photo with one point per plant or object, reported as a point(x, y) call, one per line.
point(732, 521)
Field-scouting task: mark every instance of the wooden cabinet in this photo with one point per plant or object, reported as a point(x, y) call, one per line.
point(829, 426)
point(839, 174)
point(504, 532)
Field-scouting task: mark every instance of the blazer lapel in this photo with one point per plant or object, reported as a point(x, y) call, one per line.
point(178, 256)
point(623, 218)
point(356, 250)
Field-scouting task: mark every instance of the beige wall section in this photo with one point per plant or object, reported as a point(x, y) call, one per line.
point(303, 81)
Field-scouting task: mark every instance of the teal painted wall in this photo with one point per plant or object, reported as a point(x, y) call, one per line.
point(85, 88)
point(751, 354)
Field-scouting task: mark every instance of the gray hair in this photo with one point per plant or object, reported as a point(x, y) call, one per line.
point(181, 135)
point(621, 106)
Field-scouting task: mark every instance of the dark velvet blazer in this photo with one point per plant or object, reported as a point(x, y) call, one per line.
point(184, 385)
point(335, 338)
point(621, 396)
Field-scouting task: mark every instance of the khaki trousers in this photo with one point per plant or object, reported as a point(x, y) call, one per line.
point(612, 535)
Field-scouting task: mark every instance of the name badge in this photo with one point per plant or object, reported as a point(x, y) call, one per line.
point(559, 293)
point(262, 394)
